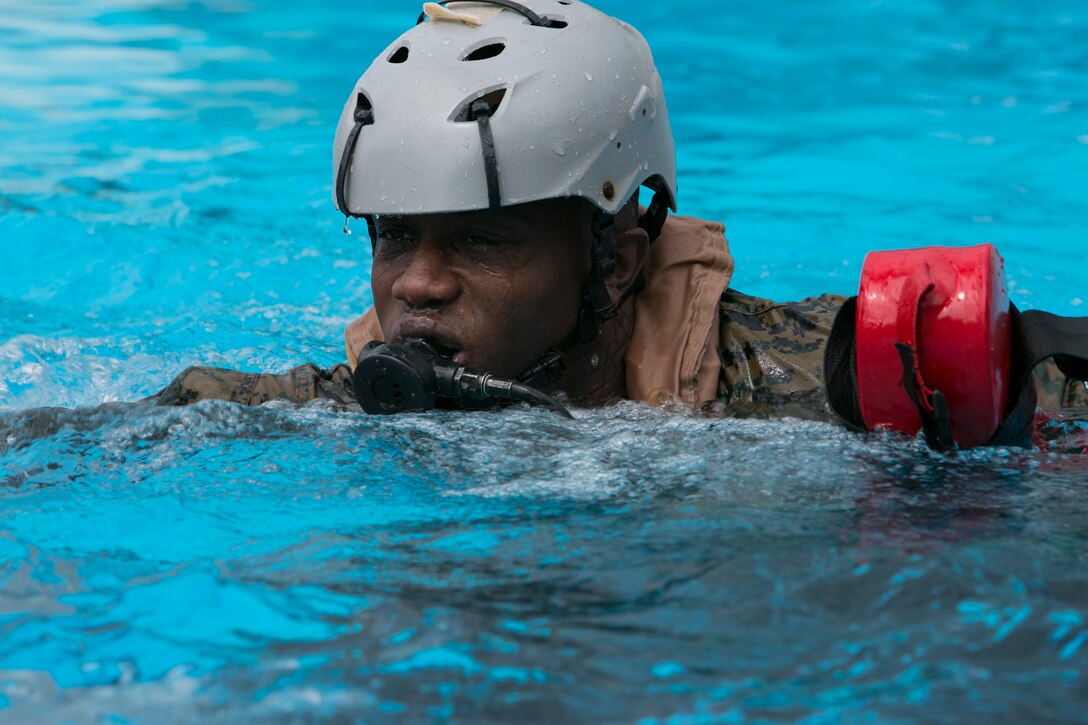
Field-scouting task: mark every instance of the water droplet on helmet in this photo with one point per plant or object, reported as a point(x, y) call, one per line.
point(589, 77)
point(447, 41)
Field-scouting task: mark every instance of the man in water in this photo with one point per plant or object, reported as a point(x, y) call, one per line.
point(496, 151)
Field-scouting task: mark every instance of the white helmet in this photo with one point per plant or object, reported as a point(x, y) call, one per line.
point(545, 99)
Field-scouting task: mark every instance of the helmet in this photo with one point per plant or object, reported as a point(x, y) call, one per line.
point(541, 100)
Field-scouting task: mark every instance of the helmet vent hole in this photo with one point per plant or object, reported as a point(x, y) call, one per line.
point(564, 2)
point(490, 50)
point(364, 110)
point(556, 24)
point(399, 55)
point(493, 99)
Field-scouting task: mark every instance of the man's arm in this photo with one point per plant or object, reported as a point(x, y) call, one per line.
point(298, 385)
point(773, 356)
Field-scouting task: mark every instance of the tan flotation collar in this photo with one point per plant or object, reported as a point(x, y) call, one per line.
point(673, 355)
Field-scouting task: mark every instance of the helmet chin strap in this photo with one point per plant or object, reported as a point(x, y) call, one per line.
point(363, 116)
point(653, 221)
point(597, 304)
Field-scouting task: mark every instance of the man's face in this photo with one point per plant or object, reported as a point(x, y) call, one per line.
point(494, 289)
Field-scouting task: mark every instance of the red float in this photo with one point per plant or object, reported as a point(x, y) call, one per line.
point(951, 308)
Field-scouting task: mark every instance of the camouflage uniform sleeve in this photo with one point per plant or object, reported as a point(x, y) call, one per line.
point(298, 385)
point(773, 361)
point(773, 356)
point(1056, 391)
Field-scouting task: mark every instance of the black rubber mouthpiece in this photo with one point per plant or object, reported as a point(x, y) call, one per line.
point(397, 378)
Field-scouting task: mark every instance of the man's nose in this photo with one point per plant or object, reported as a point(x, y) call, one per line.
point(428, 281)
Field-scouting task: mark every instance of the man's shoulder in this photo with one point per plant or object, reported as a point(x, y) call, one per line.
point(738, 303)
point(300, 384)
point(773, 354)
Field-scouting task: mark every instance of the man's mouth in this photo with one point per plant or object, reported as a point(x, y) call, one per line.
point(443, 342)
point(443, 350)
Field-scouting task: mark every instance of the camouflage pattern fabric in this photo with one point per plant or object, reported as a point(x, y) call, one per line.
point(298, 385)
point(773, 361)
point(1056, 391)
point(773, 356)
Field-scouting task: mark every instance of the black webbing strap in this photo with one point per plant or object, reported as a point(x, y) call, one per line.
point(602, 257)
point(1038, 336)
point(364, 116)
point(481, 113)
point(538, 20)
point(841, 367)
point(597, 305)
point(653, 220)
point(931, 405)
point(1042, 335)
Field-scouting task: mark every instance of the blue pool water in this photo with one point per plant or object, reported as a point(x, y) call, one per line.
point(165, 201)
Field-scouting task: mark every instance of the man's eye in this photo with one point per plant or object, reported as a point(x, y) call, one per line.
point(478, 240)
point(394, 241)
point(392, 235)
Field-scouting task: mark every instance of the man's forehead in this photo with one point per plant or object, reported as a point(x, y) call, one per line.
point(552, 211)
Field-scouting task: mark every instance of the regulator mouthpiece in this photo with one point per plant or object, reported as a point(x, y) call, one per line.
point(397, 378)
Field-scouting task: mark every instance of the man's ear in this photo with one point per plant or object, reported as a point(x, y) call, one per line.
point(632, 247)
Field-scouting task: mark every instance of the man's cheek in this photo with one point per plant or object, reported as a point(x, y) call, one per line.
point(381, 283)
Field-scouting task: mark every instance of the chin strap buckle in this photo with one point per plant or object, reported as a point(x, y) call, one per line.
point(547, 370)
